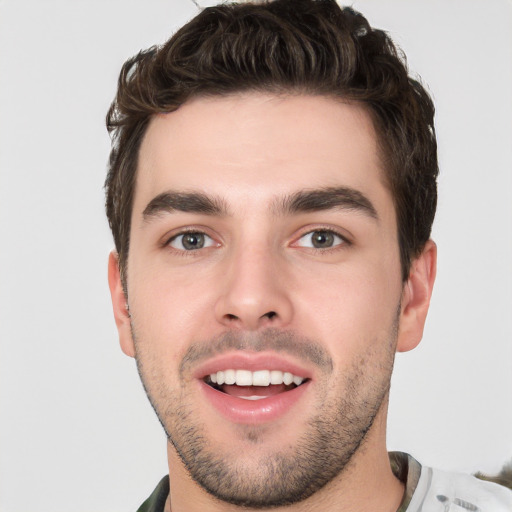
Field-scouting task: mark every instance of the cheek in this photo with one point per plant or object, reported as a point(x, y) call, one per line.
point(349, 307)
point(169, 306)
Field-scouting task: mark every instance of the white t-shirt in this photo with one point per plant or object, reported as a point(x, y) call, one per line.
point(442, 491)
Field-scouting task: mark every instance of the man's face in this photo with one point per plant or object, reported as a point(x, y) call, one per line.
point(264, 244)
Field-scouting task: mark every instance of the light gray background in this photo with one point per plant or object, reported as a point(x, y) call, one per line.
point(76, 431)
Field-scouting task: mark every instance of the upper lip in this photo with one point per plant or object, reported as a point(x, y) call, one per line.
point(252, 361)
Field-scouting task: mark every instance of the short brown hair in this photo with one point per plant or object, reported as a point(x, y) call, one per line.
point(297, 46)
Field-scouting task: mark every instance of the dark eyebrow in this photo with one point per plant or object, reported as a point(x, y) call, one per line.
point(328, 198)
point(193, 202)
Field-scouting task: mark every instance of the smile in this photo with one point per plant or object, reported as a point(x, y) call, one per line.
point(257, 385)
point(257, 378)
point(246, 392)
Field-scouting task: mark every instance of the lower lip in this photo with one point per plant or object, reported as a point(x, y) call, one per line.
point(253, 412)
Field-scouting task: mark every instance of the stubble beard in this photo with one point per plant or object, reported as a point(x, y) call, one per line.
point(331, 437)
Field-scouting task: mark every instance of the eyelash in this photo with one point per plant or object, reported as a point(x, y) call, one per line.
point(328, 230)
point(192, 230)
point(345, 242)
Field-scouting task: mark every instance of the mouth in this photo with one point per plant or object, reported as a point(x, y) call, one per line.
point(254, 385)
point(252, 389)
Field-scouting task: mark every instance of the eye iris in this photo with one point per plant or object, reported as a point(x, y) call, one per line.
point(193, 241)
point(322, 239)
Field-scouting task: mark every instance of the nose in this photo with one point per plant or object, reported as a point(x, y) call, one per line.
point(254, 293)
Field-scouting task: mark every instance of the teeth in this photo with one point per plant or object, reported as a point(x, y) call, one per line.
point(258, 378)
point(261, 378)
point(229, 377)
point(243, 377)
point(287, 378)
point(276, 377)
point(297, 380)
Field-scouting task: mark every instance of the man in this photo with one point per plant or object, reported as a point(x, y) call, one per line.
point(271, 191)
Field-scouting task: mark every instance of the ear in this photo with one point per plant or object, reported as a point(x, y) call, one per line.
point(416, 298)
point(120, 305)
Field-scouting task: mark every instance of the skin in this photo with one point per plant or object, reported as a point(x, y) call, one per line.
point(259, 277)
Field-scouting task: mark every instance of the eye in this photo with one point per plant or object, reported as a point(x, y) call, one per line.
point(191, 241)
point(320, 239)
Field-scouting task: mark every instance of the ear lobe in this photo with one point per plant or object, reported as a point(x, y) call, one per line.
point(120, 306)
point(416, 298)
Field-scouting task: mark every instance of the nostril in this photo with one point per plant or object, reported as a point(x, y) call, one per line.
point(234, 319)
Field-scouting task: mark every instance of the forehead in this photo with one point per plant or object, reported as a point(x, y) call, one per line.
point(253, 146)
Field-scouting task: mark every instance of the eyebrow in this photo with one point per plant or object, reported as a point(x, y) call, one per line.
point(328, 198)
point(191, 202)
point(303, 201)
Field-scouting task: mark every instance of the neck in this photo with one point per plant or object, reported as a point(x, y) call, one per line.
point(366, 483)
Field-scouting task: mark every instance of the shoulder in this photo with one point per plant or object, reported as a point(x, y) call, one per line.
point(156, 502)
point(456, 492)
